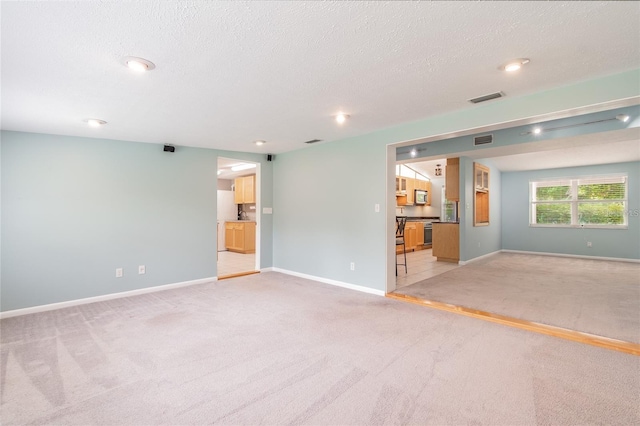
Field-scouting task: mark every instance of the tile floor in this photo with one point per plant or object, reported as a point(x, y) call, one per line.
point(233, 263)
point(421, 265)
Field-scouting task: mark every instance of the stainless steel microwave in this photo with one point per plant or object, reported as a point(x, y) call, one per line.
point(420, 196)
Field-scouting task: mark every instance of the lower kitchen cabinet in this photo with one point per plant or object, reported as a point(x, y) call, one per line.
point(446, 242)
point(409, 238)
point(413, 236)
point(240, 237)
point(419, 235)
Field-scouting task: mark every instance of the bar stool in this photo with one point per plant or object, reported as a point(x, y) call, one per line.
point(401, 221)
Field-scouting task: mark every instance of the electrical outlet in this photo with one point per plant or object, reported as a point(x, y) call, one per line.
point(588, 243)
point(353, 266)
point(377, 208)
point(141, 270)
point(119, 273)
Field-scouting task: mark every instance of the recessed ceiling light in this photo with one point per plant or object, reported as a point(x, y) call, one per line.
point(537, 131)
point(622, 117)
point(514, 65)
point(95, 122)
point(259, 143)
point(341, 117)
point(137, 64)
point(414, 152)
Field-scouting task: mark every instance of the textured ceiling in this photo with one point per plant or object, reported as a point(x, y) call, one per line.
point(229, 73)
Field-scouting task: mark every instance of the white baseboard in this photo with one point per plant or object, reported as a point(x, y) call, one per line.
point(332, 282)
point(269, 269)
point(60, 305)
point(578, 256)
point(464, 262)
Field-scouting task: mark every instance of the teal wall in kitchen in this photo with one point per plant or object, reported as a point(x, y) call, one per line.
point(75, 209)
point(478, 241)
point(517, 235)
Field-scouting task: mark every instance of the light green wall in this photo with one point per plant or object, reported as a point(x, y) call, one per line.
point(325, 193)
point(75, 209)
point(324, 216)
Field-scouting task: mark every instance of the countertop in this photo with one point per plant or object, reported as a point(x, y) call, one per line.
point(243, 221)
point(422, 219)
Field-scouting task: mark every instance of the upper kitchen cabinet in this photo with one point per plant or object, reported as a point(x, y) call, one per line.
point(401, 185)
point(245, 190)
point(411, 186)
point(452, 179)
point(481, 195)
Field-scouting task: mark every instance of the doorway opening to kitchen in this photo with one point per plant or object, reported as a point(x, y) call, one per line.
point(238, 248)
point(420, 198)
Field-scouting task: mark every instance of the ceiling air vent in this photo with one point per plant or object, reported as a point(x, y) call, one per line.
point(482, 140)
point(313, 141)
point(487, 97)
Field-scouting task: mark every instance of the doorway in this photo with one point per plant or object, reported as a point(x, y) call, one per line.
point(238, 190)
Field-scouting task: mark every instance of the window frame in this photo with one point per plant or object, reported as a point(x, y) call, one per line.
point(573, 182)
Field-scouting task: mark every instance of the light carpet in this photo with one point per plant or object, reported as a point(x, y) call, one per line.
point(276, 349)
point(593, 296)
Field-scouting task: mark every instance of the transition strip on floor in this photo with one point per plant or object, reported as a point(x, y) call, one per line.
point(239, 274)
point(550, 330)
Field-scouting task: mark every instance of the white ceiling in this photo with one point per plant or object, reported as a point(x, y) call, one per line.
point(225, 172)
point(229, 73)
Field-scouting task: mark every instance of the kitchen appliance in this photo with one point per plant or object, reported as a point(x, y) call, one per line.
point(428, 234)
point(420, 197)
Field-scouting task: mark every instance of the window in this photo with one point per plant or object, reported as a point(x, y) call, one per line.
point(596, 201)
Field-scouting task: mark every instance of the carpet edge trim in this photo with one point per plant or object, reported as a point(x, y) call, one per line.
point(549, 330)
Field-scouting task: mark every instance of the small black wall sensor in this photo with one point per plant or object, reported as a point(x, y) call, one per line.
point(169, 148)
point(270, 157)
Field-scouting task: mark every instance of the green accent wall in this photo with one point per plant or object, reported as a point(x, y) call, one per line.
point(75, 209)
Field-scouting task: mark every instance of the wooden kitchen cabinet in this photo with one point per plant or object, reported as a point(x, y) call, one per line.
point(480, 195)
point(419, 235)
point(411, 186)
point(240, 237)
point(409, 238)
point(245, 190)
point(405, 195)
point(401, 185)
point(446, 242)
point(452, 179)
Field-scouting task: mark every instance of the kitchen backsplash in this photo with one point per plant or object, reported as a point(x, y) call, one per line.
point(250, 210)
point(418, 211)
